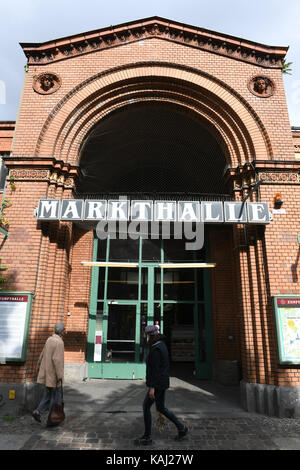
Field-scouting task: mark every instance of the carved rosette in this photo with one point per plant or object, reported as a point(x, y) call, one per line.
point(279, 177)
point(46, 83)
point(261, 86)
point(30, 174)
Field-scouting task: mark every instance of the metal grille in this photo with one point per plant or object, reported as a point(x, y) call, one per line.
point(156, 196)
point(151, 151)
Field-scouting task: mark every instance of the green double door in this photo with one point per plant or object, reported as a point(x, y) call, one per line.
point(131, 291)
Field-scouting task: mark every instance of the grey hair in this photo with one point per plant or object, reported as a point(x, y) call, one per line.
point(59, 328)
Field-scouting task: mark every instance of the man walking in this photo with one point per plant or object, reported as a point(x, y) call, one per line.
point(50, 369)
point(158, 381)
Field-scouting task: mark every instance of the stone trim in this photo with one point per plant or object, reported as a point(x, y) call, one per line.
point(270, 400)
point(235, 48)
point(47, 169)
point(279, 177)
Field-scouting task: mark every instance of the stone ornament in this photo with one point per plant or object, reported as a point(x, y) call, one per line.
point(46, 83)
point(261, 86)
point(57, 177)
point(155, 27)
point(29, 174)
point(280, 177)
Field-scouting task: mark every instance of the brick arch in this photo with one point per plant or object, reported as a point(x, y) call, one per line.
point(236, 123)
point(227, 134)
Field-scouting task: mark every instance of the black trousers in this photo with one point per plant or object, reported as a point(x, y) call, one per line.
point(160, 406)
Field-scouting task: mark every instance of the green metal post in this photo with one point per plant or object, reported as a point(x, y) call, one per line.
point(105, 305)
point(93, 305)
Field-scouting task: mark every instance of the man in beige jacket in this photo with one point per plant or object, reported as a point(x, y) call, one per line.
point(50, 369)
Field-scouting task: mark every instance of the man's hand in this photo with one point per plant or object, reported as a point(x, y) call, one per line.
point(151, 393)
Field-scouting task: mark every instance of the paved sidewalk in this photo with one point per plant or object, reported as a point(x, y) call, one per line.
point(107, 415)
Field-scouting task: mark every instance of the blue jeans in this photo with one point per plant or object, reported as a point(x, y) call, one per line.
point(51, 395)
point(160, 406)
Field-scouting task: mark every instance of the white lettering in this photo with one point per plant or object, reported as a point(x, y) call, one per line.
point(232, 215)
point(95, 210)
point(118, 460)
point(165, 210)
point(141, 210)
point(257, 209)
point(234, 212)
point(117, 210)
point(71, 211)
point(48, 206)
point(208, 217)
point(187, 213)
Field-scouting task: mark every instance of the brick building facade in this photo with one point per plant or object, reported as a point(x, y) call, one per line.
point(156, 109)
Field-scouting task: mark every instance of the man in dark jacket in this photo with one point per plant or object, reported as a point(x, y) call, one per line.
point(158, 381)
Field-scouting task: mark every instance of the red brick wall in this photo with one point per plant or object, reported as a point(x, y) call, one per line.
point(6, 136)
point(224, 295)
point(236, 74)
point(78, 296)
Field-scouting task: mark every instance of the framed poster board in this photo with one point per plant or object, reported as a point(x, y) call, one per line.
point(15, 310)
point(287, 318)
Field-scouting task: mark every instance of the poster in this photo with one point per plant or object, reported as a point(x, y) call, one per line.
point(287, 316)
point(98, 346)
point(14, 319)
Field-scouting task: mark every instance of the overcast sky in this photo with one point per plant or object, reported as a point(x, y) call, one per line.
point(271, 22)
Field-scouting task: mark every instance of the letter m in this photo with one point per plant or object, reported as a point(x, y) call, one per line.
point(48, 209)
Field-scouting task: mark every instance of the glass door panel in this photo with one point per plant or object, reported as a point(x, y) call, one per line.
point(122, 283)
point(121, 333)
point(178, 284)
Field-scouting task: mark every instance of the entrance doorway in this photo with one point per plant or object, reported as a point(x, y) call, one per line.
point(133, 290)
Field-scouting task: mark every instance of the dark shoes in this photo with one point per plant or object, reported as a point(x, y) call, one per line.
point(36, 415)
point(143, 441)
point(181, 433)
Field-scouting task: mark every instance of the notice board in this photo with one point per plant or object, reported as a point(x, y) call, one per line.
point(287, 318)
point(15, 310)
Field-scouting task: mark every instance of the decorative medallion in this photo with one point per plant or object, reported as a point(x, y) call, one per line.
point(261, 86)
point(46, 83)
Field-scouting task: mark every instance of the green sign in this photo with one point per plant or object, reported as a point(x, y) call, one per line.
point(287, 318)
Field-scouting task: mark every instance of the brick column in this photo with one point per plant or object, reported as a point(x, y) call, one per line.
point(37, 252)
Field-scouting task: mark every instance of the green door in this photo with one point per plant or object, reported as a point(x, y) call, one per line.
point(136, 292)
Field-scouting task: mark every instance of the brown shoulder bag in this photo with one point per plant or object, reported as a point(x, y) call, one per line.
point(56, 413)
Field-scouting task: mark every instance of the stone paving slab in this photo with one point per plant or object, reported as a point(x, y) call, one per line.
point(107, 415)
point(117, 431)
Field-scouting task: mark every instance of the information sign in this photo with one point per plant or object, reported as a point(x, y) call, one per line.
point(15, 309)
point(287, 318)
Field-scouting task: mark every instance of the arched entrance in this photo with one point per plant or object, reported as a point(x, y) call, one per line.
point(225, 120)
point(150, 151)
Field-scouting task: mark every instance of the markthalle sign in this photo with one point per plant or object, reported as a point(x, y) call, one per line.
point(159, 211)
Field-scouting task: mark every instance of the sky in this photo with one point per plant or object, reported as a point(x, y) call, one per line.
point(270, 22)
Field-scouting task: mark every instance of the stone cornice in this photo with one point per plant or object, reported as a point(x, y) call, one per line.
point(265, 171)
point(42, 169)
point(191, 36)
